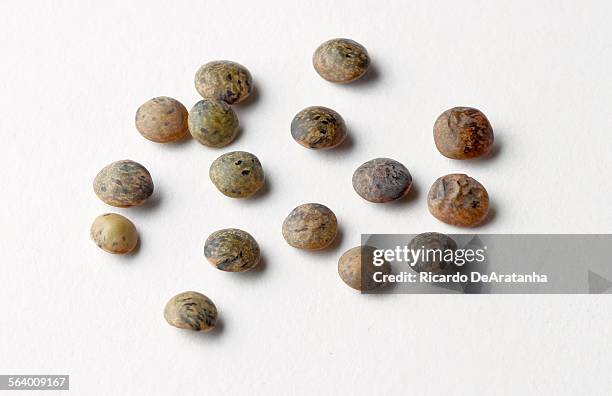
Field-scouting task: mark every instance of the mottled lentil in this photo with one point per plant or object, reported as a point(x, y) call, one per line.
point(341, 60)
point(432, 262)
point(191, 310)
point(232, 250)
point(382, 180)
point(318, 127)
point(162, 120)
point(237, 174)
point(458, 199)
point(463, 133)
point(224, 80)
point(310, 226)
point(358, 273)
point(114, 233)
point(123, 184)
point(213, 123)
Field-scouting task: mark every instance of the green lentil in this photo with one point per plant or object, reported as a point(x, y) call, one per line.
point(310, 226)
point(213, 123)
point(114, 233)
point(232, 250)
point(318, 127)
point(224, 80)
point(341, 60)
point(123, 184)
point(237, 174)
point(191, 310)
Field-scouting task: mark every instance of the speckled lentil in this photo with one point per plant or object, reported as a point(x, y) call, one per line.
point(232, 250)
point(382, 180)
point(237, 174)
point(318, 127)
point(463, 133)
point(358, 273)
point(213, 123)
point(191, 310)
point(224, 80)
point(458, 199)
point(114, 233)
point(123, 184)
point(433, 241)
point(341, 60)
point(310, 226)
point(162, 120)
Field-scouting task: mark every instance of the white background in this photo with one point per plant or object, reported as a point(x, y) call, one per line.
point(72, 75)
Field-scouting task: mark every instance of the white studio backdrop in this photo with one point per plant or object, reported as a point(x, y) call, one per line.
point(73, 75)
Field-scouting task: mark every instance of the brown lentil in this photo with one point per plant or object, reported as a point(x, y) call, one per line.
point(310, 226)
point(463, 133)
point(437, 242)
point(459, 200)
point(162, 120)
point(359, 273)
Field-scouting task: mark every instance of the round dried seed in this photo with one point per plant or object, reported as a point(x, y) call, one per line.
point(213, 123)
point(341, 60)
point(459, 200)
point(237, 174)
point(310, 226)
point(162, 120)
point(224, 80)
point(191, 310)
point(318, 127)
point(123, 184)
point(438, 246)
point(357, 269)
point(114, 233)
point(382, 180)
point(463, 133)
point(232, 250)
